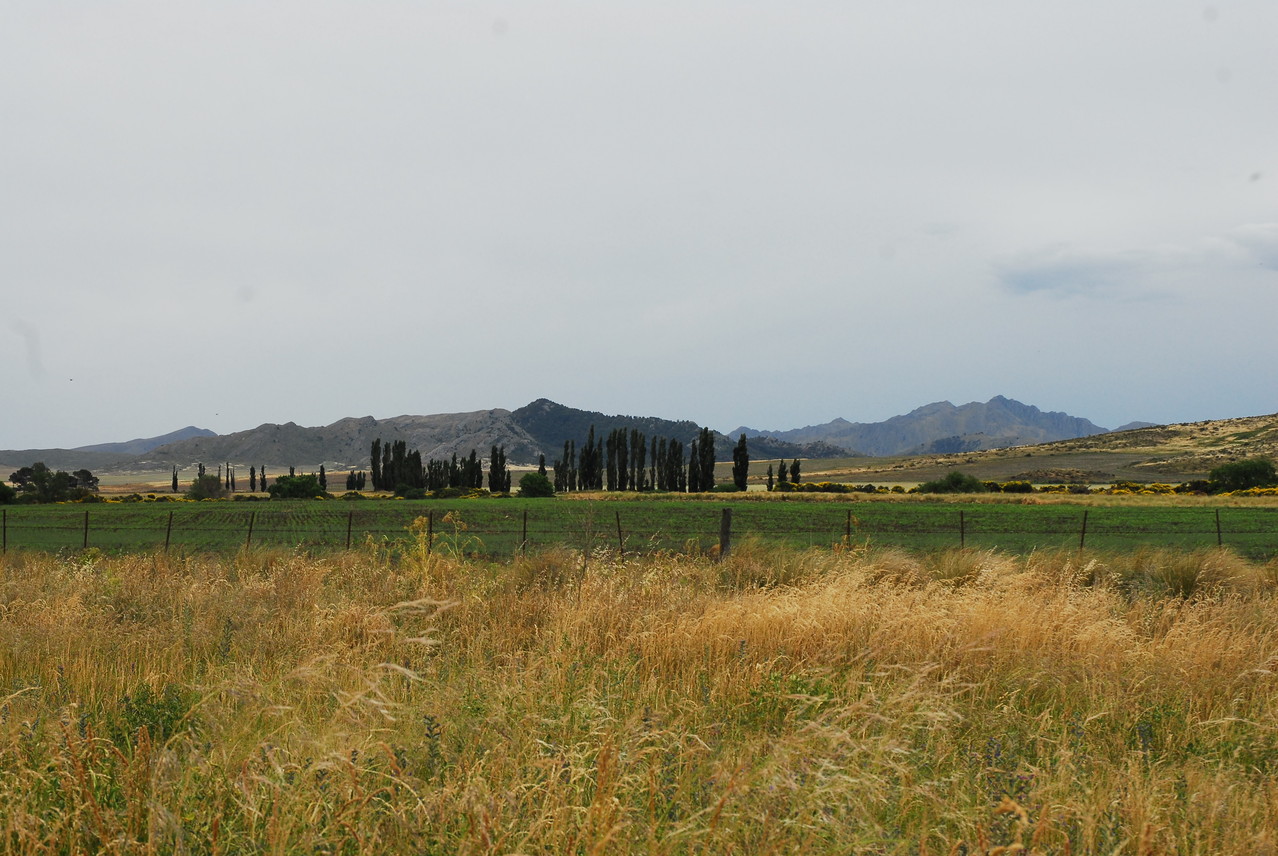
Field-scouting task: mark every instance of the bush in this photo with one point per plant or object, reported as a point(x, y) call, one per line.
point(7, 494)
point(298, 487)
point(1243, 475)
point(207, 486)
point(535, 485)
point(955, 482)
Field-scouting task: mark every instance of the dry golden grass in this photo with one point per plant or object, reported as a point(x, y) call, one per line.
point(776, 702)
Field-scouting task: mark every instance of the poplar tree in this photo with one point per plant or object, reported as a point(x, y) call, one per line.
point(707, 459)
point(740, 463)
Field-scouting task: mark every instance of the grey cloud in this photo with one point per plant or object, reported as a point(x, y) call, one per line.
point(1143, 273)
point(1065, 271)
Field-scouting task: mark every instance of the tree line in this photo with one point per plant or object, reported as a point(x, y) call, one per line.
point(395, 468)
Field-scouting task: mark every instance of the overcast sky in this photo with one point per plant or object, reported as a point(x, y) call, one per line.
point(771, 214)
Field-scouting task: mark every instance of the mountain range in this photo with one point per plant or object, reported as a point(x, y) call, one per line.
point(942, 428)
point(543, 426)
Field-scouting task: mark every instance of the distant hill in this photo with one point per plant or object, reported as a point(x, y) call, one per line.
point(943, 428)
point(1158, 453)
point(141, 447)
point(541, 427)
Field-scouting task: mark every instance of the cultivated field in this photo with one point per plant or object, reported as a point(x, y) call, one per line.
point(633, 523)
point(781, 701)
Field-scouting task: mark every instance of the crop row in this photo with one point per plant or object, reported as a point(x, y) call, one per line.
point(503, 527)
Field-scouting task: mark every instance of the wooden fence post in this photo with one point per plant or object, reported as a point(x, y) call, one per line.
point(249, 540)
point(725, 534)
point(350, 521)
point(168, 531)
point(847, 530)
point(1219, 540)
point(621, 539)
point(523, 541)
point(962, 530)
point(1082, 536)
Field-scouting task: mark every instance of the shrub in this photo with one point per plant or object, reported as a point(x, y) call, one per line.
point(207, 486)
point(955, 482)
point(535, 485)
point(297, 487)
point(1242, 475)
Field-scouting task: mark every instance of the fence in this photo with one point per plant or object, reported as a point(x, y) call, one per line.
point(503, 528)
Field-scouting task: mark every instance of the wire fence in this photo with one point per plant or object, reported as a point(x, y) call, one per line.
point(632, 528)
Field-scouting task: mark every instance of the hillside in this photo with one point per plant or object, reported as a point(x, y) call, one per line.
point(541, 427)
point(1164, 453)
point(144, 445)
point(943, 428)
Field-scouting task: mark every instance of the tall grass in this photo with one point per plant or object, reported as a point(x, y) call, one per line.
point(857, 701)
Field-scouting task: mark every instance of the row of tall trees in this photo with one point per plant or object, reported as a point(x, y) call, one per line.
point(394, 467)
point(629, 460)
point(784, 474)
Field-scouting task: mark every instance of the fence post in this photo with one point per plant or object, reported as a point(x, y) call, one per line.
point(621, 540)
point(725, 534)
point(249, 540)
point(86, 529)
point(1082, 536)
point(523, 541)
point(962, 530)
point(168, 531)
point(350, 521)
point(847, 530)
point(1219, 541)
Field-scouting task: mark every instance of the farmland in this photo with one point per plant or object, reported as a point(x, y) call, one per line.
point(626, 523)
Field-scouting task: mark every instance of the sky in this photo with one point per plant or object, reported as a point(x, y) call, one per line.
point(225, 214)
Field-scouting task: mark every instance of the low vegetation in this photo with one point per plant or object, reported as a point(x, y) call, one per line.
point(847, 701)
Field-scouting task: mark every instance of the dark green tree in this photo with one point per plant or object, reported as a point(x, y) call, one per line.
point(1243, 475)
point(741, 463)
point(253, 479)
point(771, 481)
point(175, 479)
point(375, 456)
point(535, 485)
point(297, 487)
point(206, 486)
point(706, 453)
point(794, 471)
point(694, 468)
point(955, 482)
point(498, 474)
point(323, 479)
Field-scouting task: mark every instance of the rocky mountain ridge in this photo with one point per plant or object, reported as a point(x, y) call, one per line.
point(543, 426)
point(943, 428)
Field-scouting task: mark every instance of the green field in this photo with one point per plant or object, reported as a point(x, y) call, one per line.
point(500, 527)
